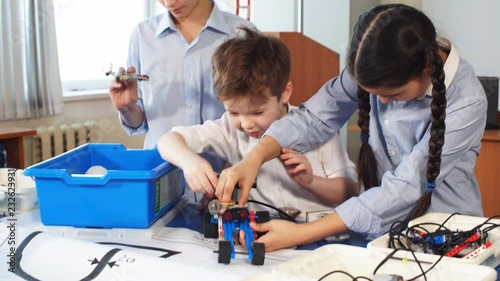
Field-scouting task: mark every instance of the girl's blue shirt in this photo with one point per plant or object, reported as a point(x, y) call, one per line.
point(399, 136)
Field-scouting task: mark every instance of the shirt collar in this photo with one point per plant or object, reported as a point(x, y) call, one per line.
point(216, 21)
point(450, 69)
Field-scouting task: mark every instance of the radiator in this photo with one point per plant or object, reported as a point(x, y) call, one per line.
point(51, 141)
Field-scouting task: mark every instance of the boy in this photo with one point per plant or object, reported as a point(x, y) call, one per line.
point(251, 79)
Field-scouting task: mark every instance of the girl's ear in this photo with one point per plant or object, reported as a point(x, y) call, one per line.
point(287, 93)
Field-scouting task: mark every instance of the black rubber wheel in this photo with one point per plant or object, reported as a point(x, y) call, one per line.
point(262, 216)
point(209, 228)
point(224, 252)
point(259, 253)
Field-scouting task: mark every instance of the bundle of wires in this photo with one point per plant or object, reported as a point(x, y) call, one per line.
point(441, 241)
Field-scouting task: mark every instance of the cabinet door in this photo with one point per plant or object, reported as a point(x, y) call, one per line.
point(488, 175)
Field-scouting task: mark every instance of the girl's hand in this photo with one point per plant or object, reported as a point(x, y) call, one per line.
point(297, 166)
point(280, 234)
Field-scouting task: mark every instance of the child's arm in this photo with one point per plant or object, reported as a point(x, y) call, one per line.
point(328, 190)
point(198, 172)
point(284, 234)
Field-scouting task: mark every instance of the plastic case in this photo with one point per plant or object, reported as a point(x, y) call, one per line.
point(137, 188)
point(18, 189)
point(489, 257)
point(359, 261)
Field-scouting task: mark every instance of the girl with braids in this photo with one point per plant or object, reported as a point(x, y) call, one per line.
point(422, 113)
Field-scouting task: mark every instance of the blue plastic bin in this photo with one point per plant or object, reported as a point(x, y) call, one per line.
point(137, 189)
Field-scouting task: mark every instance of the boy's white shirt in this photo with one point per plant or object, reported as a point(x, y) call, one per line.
point(274, 185)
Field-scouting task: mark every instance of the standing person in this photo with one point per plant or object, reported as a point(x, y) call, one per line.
point(174, 49)
point(422, 113)
point(251, 77)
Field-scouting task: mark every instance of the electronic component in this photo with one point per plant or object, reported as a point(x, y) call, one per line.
point(122, 76)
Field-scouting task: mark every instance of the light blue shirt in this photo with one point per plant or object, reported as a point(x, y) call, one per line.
point(180, 90)
point(399, 136)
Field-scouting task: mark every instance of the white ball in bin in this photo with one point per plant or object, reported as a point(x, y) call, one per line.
point(97, 170)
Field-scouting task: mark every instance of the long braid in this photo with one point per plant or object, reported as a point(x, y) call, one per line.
point(367, 163)
point(436, 140)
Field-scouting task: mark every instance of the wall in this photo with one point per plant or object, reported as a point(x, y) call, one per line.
point(100, 110)
point(275, 15)
point(473, 27)
point(327, 22)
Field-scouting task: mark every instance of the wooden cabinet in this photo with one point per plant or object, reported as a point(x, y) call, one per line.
point(12, 139)
point(312, 64)
point(488, 172)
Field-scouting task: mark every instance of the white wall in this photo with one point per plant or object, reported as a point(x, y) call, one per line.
point(327, 22)
point(473, 26)
point(275, 15)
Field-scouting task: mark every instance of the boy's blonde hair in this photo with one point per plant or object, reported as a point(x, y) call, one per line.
point(254, 66)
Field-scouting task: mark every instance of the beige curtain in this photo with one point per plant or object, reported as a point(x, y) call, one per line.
point(30, 84)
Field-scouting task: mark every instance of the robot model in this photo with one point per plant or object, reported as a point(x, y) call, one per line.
point(226, 227)
point(122, 76)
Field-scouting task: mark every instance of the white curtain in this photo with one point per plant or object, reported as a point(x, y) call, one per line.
point(30, 84)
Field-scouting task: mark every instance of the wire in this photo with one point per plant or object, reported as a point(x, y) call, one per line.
point(427, 271)
point(290, 218)
point(442, 241)
point(391, 256)
point(345, 273)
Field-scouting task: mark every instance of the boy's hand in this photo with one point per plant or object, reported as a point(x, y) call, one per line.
point(199, 175)
point(124, 95)
point(297, 166)
point(243, 174)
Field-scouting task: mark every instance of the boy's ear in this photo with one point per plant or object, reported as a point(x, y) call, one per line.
point(287, 93)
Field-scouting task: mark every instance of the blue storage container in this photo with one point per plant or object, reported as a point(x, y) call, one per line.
point(137, 189)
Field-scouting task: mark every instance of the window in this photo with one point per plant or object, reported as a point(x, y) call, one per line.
point(92, 35)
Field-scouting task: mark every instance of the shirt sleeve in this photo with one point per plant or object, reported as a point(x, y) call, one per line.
point(320, 117)
point(217, 136)
point(133, 59)
point(335, 160)
point(374, 210)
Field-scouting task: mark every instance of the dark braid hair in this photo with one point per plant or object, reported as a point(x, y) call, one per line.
point(367, 164)
point(392, 45)
point(438, 127)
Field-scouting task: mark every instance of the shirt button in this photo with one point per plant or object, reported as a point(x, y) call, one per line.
point(190, 105)
point(190, 78)
point(393, 153)
point(386, 122)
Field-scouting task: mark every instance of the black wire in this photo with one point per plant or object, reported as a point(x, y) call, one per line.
point(446, 220)
point(427, 271)
point(384, 261)
point(346, 273)
point(419, 265)
point(274, 208)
